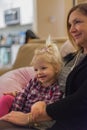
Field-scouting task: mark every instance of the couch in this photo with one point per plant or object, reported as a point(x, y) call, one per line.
point(17, 77)
point(16, 80)
point(23, 59)
point(26, 52)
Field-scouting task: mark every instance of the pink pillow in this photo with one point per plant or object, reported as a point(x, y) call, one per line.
point(16, 79)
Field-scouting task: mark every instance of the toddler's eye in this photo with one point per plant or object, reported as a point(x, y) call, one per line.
point(35, 70)
point(43, 68)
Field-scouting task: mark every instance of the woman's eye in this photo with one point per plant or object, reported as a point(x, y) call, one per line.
point(69, 26)
point(77, 21)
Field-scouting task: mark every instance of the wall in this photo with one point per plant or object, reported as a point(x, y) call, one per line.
point(50, 17)
point(26, 16)
point(26, 12)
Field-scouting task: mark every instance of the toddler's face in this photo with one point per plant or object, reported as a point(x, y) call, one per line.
point(45, 72)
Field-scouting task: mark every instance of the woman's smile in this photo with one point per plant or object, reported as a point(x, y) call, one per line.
point(77, 36)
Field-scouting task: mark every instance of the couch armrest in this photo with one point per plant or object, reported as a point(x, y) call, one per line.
point(4, 70)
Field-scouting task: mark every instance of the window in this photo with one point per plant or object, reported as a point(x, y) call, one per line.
point(26, 10)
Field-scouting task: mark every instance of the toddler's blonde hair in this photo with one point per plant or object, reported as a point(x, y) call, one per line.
point(50, 53)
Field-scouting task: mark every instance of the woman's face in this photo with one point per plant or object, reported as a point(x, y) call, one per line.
point(78, 28)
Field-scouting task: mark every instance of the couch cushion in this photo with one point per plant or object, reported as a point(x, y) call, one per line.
point(25, 55)
point(16, 79)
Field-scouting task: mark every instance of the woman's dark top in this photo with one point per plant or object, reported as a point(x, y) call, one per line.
point(70, 113)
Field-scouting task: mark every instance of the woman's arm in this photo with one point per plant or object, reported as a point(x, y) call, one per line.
point(22, 119)
point(16, 117)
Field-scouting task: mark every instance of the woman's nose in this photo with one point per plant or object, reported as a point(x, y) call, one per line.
point(72, 29)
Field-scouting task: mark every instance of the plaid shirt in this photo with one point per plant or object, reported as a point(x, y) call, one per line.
point(34, 92)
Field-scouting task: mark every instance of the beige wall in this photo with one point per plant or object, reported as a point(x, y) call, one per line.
point(50, 17)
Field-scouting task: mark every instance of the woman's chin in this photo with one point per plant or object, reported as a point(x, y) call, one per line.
point(78, 42)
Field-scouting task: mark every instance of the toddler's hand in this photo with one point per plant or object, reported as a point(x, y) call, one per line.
point(11, 93)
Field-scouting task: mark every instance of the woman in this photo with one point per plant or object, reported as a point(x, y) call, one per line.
point(70, 112)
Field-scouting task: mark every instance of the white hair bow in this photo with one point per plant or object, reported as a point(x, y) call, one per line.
point(48, 41)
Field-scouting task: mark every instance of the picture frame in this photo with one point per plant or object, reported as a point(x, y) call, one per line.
point(75, 2)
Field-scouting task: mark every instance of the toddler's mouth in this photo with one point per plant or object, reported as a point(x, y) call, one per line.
point(40, 77)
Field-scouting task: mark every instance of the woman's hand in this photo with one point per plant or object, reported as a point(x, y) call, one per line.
point(18, 118)
point(38, 111)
